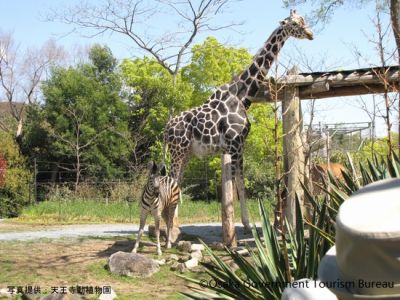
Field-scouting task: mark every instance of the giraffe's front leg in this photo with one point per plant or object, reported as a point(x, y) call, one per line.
point(143, 216)
point(243, 205)
point(237, 163)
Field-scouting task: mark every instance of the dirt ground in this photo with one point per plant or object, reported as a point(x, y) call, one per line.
point(81, 262)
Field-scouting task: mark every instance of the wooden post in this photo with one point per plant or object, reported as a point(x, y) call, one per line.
point(292, 149)
point(228, 221)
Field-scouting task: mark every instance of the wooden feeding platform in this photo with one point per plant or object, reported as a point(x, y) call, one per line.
point(319, 85)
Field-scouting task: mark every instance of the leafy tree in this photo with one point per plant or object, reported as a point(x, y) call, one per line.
point(14, 188)
point(213, 64)
point(152, 99)
point(83, 119)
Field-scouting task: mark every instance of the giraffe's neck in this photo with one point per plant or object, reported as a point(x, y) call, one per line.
point(246, 85)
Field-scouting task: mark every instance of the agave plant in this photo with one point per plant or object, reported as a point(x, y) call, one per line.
point(274, 261)
point(264, 275)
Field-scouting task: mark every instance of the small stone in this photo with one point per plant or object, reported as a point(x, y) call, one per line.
point(160, 262)
point(184, 258)
point(5, 293)
point(207, 259)
point(242, 251)
point(172, 257)
point(184, 246)
point(181, 268)
point(198, 269)
point(175, 235)
point(217, 246)
point(196, 254)
point(191, 263)
point(111, 296)
point(174, 266)
point(197, 247)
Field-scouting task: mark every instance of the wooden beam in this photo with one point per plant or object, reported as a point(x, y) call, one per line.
point(340, 78)
point(322, 90)
point(342, 91)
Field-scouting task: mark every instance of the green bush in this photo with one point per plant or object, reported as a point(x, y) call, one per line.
point(14, 191)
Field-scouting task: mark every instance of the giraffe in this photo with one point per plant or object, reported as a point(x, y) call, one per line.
point(221, 123)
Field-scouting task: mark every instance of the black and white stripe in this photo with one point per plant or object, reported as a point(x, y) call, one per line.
point(160, 198)
point(166, 197)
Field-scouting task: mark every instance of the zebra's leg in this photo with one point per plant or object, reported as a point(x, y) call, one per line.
point(170, 224)
point(143, 216)
point(157, 217)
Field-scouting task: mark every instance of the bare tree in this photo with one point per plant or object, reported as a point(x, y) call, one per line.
point(21, 73)
point(132, 19)
point(75, 142)
point(385, 55)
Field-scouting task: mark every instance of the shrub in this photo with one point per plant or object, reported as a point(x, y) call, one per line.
point(14, 190)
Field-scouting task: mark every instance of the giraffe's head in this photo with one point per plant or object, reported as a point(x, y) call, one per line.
point(295, 26)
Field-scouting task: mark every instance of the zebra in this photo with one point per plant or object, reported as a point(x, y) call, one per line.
point(160, 198)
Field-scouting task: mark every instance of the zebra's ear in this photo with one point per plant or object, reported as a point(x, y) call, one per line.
point(163, 170)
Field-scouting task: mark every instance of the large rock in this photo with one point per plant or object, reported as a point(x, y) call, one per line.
point(184, 246)
point(132, 264)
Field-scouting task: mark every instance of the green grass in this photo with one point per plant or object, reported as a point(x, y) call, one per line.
point(87, 211)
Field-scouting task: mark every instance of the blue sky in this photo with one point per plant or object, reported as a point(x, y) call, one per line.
point(350, 27)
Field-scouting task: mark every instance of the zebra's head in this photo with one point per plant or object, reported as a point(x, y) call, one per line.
point(154, 179)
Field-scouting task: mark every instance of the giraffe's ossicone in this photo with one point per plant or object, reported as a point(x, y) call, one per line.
point(221, 123)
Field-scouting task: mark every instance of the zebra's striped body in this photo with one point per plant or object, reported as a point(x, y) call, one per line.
point(168, 195)
point(160, 198)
